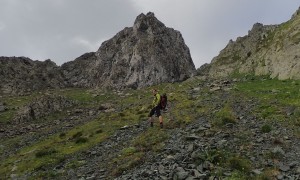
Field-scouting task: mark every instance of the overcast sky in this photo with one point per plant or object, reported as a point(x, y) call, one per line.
point(62, 30)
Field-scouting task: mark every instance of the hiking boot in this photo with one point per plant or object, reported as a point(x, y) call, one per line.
point(151, 124)
point(161, 125)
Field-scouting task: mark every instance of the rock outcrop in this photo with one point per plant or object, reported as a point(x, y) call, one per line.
point(266, 50)
point(146, 54)
point(41, 107)
point(21, 75)
point(3, 107)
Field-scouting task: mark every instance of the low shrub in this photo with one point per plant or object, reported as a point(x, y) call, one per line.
point(266, 128)
point(81, 140)
point(45, 152)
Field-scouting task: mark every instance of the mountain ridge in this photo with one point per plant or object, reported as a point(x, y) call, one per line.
point(267, 50)
point(146, 54)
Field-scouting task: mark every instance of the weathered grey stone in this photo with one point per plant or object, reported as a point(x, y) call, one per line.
point(146, 54)
point(257, 171)
point(191, 137)
point(294, 163)
point(279, 176)
point(190, 148)
point(215, 89)
point(298, 170)
point(278, 150)
point(181, 175)
point(20, 75)
point(41, 107)
point(284, 168)
point(266, 50)
point(2, 108)
point(201, 128)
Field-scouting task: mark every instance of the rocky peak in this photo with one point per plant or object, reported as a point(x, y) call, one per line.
point(296, 14)
point(146, 54)
point(147, 22)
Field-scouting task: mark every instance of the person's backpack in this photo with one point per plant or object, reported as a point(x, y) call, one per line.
point(163, 101)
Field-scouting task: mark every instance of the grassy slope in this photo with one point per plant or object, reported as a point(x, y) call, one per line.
point(275, 97)
point(129, 110)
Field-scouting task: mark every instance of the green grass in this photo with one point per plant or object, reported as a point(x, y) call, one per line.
point(266, 128)
point(274, 96)
point(130, 110)
point(285, 92)
point(13, 103)
point(224, 116)
point(152, 140)
point(271, 95)
point(269, 173)
point(45, 152)
point(239, 163)
point(34, 157)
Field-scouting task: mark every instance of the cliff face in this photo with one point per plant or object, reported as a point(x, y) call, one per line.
point(266, 50)
point(146, 54)
point(20, 75)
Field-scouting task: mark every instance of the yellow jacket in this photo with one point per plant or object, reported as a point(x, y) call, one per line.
point(156, 100)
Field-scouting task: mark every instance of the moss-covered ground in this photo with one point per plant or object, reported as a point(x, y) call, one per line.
point(131, 107)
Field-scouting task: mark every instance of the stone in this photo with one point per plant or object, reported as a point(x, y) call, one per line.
point(294, 163)
point(201, 128)
point(221, 142)
point(197, 174)
point(227, 173)
point(161, 169)
point(200, 168)
point(125, 127)
point(190, 148)
point(215, 89)
point(13, 176)
point(170, 157)
point(259, 140)
point(91, 177)
point(191, 137)
point(14, 168)
point(2, 107)
point(279, 176)
point(278, 150)
point(93, 152)
point(181, 175)
point(196, 89)
point(146, 173)
point(163, 177)
point(284, 168)
point(257, 171)
point(41, 107)
point(298, 170)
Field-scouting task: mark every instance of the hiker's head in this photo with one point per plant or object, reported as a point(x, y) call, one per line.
point(154, 91)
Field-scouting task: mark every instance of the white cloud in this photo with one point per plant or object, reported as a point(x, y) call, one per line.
point(86, 44)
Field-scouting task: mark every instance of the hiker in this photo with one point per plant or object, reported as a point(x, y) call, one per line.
point(156, 109)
